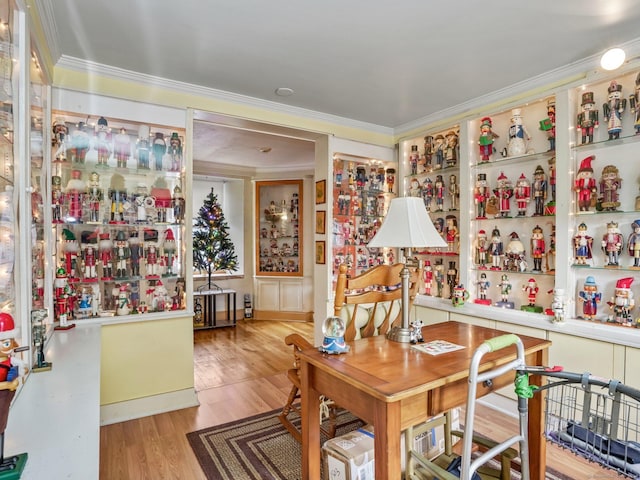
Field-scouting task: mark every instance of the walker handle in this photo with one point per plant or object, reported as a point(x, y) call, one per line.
point(502, 341)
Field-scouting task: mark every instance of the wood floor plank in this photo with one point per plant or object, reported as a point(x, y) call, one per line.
point(240, 372)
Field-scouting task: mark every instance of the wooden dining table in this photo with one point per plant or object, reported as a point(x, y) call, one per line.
point(394, 386)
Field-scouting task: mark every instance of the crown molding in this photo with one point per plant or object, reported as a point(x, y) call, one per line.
point(44, 10)
point(88, 67)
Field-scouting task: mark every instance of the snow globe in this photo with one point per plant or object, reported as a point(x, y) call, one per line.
point(333, 329)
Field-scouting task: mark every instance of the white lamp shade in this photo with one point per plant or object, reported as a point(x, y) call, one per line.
point(407, 225)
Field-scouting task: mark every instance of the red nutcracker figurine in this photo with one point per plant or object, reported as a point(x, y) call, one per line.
point(105, 248)
point(122, 148)
point(522, 194)
point(585, 184)
point(451, 233)
point(538, 248)
point(74, 194)
point(504, 192)
point(391, 179)
point(89, 258)
point(622, 303)
point(151, 257)
point(70, 248)
point(428, 277)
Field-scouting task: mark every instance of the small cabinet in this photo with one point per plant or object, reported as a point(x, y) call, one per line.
point(279, 228)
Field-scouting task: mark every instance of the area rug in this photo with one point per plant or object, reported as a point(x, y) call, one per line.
point(260, 448)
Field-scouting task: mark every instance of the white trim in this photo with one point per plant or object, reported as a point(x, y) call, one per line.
point(151, 405)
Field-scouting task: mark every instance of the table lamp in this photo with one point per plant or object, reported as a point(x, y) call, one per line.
point(406, 226)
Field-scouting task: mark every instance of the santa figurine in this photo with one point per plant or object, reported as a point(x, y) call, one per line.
point(504, 192)
point(522, 194)
point(531, 290)
point(585, 184)
point(622, 302)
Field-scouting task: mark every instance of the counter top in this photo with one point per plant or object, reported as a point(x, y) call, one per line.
point(55, 417)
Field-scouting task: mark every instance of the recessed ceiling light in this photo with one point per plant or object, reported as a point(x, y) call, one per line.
point(612, 58)
point(284, 91)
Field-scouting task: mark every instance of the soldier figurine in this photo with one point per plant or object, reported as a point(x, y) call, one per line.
point(588, 118)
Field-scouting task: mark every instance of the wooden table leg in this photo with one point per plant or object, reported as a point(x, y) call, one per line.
point(310, 426)
point(537, 442)
point(387, 440)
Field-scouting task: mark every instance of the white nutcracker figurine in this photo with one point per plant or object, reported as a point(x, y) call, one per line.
point(558, 306)
point(95, 195)
point(175, 151)
point(169, 251)
point(613, 110)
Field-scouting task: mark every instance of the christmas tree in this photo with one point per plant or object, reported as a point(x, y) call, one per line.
point(213, 250)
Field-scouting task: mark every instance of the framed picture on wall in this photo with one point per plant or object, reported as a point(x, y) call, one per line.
point(321, 192)
point(320, 252)
point(321, 218)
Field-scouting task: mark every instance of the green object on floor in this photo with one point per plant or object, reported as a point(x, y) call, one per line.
point(19, 461)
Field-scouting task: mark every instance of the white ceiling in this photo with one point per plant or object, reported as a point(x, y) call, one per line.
point(386, 64)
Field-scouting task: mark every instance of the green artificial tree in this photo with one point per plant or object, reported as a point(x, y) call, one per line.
point(213, 250)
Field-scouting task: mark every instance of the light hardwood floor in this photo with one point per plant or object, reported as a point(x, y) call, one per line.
point(240, 372)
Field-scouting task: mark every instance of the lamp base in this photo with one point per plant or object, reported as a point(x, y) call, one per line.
point(398, 334)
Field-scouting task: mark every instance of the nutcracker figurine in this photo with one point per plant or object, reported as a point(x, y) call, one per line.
point(612, 244)
point(175, 151)
point(633, 244)
point(588, 118)
point(622, 303)
point(538, 248)
point(122, 148)
point(452, 278)
point(585, 184)
point(439, 192)
point(428, 152)
point(515, 254)
point(103, 141)
point(118, 198)
point(549, 124)
point(74, 194)
point(454, 192)
point(391, 179)
point(539, 191)
point(151, 261)
point(481, 246)
point(590, 298)
point(505, 289)
point(496, 249)
point(89, 258)
point(178, 205)
point(169, 252)
point(582, 246)
point(57, 199)
point(504, 192)
point(558, 306)
point(522, 193)
point(63, 300)
point(531, 290)
point(143, 147)
point(427, 193)
point(439, 147)
point(95, 195)
point(71, 249)
point(80, 143)
point(427, 274)
point(105, 249)
point(452, 234)
point(481, 195)
point(614, 108)
point(517, 135)
point(552, 183)
point(136, 252)
point(414, 157)
point(159, 149)
point(486, 140)
point(610, 184)
point(122, 253)
point(451, 149)
point(60, 139)
point(483, 287)
point(634, 105)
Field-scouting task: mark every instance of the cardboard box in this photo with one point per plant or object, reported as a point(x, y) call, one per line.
point(351, 456)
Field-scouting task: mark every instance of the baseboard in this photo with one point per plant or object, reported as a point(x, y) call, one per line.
point(502, 404)
point(152, 405)
point(283, 316)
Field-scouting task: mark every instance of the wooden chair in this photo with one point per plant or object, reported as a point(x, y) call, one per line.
point(370, 304)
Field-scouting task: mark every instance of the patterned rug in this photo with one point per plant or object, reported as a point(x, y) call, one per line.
point(260, 448)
